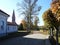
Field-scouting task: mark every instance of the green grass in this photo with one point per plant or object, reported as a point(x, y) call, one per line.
point(22, 30)
point(45, 32)
point(59, 39)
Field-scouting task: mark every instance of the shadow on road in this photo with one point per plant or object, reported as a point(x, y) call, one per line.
point(13, 35)
point(24, 41)
point(53, 41)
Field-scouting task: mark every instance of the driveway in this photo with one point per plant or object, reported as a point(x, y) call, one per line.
point(32, 39)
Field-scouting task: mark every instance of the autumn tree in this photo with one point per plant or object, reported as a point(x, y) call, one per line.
point(50, 20)
point(24, 24)
point(55, 7)
point(29, 8)
point(51, 17)
point(46, 19)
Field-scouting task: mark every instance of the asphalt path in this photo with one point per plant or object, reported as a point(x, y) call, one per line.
point(31, 39)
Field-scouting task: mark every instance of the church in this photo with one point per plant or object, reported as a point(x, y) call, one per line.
point(5, 26)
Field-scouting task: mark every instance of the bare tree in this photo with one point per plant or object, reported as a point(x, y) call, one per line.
point(29, 8)
point(36, 22)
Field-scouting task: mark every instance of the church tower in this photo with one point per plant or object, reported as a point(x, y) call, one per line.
point(13, 17)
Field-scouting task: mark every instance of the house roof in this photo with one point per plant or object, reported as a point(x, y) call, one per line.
point(3, 12)
point(10, 23)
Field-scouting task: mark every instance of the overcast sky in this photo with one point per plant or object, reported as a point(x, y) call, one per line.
point(9, 5)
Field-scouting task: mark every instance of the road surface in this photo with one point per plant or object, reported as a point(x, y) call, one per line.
point(32, 39)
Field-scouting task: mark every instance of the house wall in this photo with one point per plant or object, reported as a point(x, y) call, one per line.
point(3, 21)
point(11, 28)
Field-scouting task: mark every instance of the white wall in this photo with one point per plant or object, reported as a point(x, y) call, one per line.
point(6, 28)
point(4, 19)
point(12, 28)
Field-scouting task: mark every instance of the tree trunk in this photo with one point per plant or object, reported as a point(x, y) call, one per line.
point(51, 32)
point(56, 37)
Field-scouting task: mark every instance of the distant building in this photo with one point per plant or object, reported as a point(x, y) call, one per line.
point(7, 27)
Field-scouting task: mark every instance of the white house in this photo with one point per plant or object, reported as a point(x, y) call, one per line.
point(7, 27)
point(12, 27)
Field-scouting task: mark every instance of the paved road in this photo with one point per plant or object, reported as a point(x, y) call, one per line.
point(32, 39)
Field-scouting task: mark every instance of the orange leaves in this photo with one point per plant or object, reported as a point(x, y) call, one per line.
point(55, 6)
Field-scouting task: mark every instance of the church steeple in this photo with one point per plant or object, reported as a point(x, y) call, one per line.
point(13, 17)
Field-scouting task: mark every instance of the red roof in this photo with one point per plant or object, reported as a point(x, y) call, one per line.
point(10, 23)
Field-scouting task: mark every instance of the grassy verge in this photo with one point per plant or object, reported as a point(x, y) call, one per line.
point(45, 32)
point(59, 39)
point(22, 31)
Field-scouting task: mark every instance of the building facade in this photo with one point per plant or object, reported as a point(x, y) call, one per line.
point(7, 27)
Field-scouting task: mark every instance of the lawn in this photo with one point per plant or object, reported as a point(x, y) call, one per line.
point(45, 32)
point(22, 30)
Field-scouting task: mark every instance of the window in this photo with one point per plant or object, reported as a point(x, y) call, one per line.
point(2, 25)
point(8, 27)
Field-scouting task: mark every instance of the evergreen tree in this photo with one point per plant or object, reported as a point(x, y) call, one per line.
point(20, 27)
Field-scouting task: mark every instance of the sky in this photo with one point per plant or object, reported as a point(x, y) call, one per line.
point(9, 5)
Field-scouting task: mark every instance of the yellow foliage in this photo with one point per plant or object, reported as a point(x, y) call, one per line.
point(55, 6)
